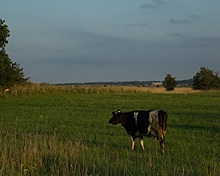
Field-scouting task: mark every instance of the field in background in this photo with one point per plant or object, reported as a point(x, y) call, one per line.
point(46, 130)
point(33, 89)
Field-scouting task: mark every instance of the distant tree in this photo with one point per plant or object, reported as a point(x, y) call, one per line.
point(169, 82)
point(10, 72)
point(206, 79)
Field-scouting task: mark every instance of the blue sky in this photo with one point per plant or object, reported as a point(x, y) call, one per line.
point(100, 40)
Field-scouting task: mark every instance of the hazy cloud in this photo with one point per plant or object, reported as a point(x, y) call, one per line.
point(211, 41)
point(194, 16)
point(173, 34)
point(179, 22)
point(184, 21)
point(158, 2)
point(154, 4)
point(101, 57)
point(149, 6)
point(86, 59)
point(137, 24)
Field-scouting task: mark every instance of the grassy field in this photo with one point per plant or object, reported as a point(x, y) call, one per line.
point(66, 132)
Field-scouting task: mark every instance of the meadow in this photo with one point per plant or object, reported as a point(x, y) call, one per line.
point(47, 130)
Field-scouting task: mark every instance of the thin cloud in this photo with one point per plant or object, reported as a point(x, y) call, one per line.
point(211, 40)
point(174, 34)
point(184, 21)
point(149, 6)
point(194, 16)
point(180, 22)
point(154, 4)
point(136, 24)
point(158, 2)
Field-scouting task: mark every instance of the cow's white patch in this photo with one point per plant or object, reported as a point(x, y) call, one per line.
point(153, 117)
point(135, 117)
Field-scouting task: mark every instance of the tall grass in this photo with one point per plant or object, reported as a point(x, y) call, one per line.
point(34, 89)
point(46, 154)
point(40, 154)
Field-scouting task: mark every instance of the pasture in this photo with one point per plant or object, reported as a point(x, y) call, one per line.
point(67, 133)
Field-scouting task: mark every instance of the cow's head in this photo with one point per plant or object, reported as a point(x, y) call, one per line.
point(116, 117)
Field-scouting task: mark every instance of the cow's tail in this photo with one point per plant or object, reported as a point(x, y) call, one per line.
point(162, 115)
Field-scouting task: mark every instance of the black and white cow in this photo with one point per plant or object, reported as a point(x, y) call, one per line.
point(150, 123)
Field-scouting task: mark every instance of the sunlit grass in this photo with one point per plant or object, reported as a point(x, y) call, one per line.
point(33, 89)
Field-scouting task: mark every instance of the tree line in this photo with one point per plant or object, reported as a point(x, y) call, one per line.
point(204, 79)
point(11, 73)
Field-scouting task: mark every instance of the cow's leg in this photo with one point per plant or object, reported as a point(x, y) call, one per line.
point(132, 143)
point(142, 142)
point(161, 137)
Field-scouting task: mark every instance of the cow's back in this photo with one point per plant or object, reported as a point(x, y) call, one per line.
point(147, 120)
point(143, 122)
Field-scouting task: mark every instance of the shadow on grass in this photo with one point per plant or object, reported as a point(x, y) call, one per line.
point(213, 129)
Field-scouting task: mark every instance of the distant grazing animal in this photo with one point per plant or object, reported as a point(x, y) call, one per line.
point(150, 123)
point(6, 90)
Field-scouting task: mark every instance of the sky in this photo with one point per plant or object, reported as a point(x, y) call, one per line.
point(101, 40)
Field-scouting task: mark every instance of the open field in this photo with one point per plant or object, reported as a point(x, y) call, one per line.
point(65, 132)
point(32, 89)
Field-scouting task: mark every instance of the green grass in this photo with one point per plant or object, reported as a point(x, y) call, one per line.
point(68, 134)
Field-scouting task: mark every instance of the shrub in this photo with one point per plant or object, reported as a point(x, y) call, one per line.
point(206, 79)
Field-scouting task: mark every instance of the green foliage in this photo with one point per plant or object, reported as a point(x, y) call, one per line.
point(10, 72)
point(4, 34)
point(169, 82)
point(206, 79)
point(69, 134)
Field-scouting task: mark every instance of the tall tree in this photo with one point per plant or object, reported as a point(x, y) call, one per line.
point(169, 82)
point(10, 72)
point(4, 34)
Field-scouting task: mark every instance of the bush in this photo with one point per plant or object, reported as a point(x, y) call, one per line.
point(206, 79)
